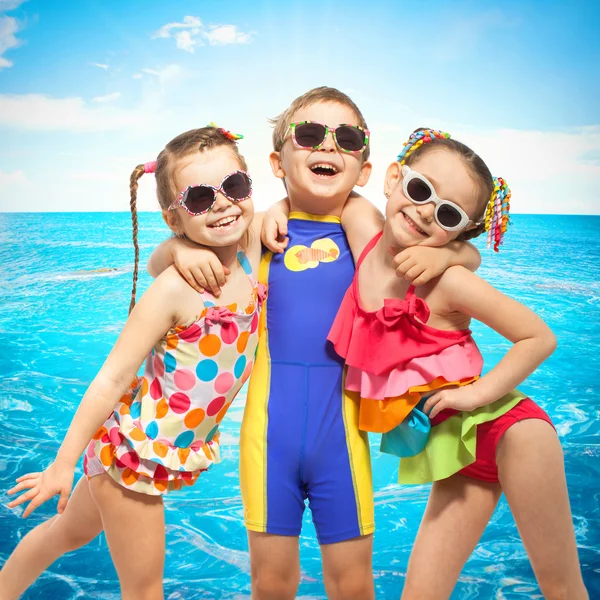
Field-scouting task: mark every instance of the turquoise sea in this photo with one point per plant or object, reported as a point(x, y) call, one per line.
point(58, 322)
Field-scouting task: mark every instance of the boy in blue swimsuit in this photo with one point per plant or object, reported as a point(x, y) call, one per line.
point(300, 438)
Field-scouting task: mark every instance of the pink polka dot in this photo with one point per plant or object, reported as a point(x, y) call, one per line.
point(224, 383)
point(184, 379)
point(179, 402)
point(115, 436)
point(188, 475)
point(161, 473)
point(254, 323)
point(191, 334)
point(90, 452)
point(197, 445)
point(159, 366)
point(156, 389)
point(130, 460)
point(229, 332)
point(215, 406)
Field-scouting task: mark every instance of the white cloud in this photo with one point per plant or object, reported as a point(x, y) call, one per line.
point(100, 66)
point(192, 32)
point(227, 34)
point(137, 76)
point(8, 27)
point(6, 5)
point(42, 113)
point(108, 98)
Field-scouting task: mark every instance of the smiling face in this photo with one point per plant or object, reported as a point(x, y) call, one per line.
point(409, 224)
point(226, 222)
point(321, 179)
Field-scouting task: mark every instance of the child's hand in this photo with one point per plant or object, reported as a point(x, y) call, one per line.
point(420, 264)
point(56, 479)
point(463, 398)
point(200, 267)
point(274, 231)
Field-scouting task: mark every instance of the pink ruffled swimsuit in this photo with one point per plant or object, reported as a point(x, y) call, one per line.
point(394, 359)
point(164, 432)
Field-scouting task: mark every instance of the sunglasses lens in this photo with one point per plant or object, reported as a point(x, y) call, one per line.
point(448, 216)
point(199, 199)
point(418, 190)
point(237, 186)
point(350, 138)
point(309, 135)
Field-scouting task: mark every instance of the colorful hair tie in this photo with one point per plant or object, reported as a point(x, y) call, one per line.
point(418, 138)
point(496, 214)
point(150, 167)
point(234, 137)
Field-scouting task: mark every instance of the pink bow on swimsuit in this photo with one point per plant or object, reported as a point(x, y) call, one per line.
point(218, 314)
point(393, 310)
point(262, 292)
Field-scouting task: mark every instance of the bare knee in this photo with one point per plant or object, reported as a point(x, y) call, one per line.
point(274, 584)
point(69, 538)
point(149, 589)
point(562, 590)
point(351, 585)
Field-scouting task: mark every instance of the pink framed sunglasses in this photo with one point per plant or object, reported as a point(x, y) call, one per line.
point(199, 199)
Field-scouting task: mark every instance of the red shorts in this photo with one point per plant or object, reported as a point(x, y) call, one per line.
point(489, 434)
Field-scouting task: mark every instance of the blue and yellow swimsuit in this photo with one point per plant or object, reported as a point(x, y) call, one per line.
point(300, 437)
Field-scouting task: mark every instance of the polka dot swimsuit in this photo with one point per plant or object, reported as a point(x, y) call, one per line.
point(164, 431)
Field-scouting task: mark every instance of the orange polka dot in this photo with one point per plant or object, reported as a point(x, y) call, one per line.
point(106, 455)
point(137, 434)
point(161, 486)
point(162, 408)
point(183, 454)
point(100, 433)
point(177, 484)
point(127, 399)
point(189, 481)
point(172, 341)
point(129, 476)
point(250, 308)
point(160, 449)
point(243, 341)
point(222, 412)
point(144, 386)
point(232, 307)
point(194, 418)
point(124, 410)
point(210, 344)
point(207, 452)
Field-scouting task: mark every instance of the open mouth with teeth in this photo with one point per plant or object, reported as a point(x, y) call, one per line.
point(224, 223)
point(324, 170)
point(413, 225)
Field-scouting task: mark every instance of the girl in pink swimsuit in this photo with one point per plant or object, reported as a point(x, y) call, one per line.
point(162, 430)
point(416, 373)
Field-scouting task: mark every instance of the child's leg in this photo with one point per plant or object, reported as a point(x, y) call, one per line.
point(274, 565)
point(457, 512)
point(348, 569)
point(134, 525)
point(79, 524)
point(531, 471)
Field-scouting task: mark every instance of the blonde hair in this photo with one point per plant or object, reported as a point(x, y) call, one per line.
point(282, 122)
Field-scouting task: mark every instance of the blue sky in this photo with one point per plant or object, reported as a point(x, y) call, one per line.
point(90, 89)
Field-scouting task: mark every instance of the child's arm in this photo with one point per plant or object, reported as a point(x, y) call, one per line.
point(274, 226)
point(148, 322)
point(361, 221)
point(197, 264)
point(420, 264)
point(533, 341)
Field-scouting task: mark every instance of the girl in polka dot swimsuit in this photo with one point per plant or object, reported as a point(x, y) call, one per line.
point(162, 428)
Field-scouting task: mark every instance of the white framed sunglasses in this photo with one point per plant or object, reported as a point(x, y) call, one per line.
point(419, 190)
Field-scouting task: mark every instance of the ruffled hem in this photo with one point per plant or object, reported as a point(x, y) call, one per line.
point(455, 363)
point(140, 481)
point(381, 416)
point(134, 449)
point(452, 443)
